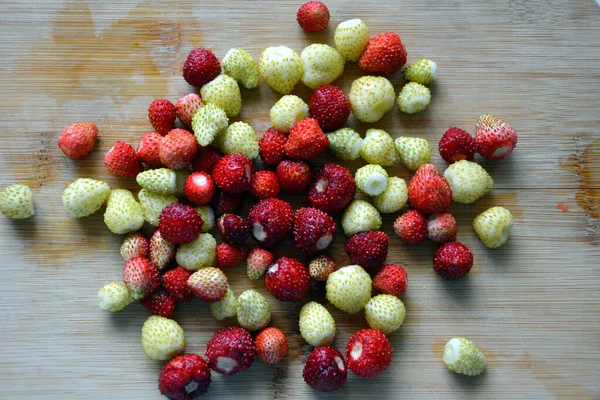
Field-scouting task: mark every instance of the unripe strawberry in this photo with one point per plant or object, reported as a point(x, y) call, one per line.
point(351, 38)
point(287, 111)
point(322, 65)
point(227, 307)
point(254, 311)
point(162, 338)
point(349, 288)
point(123, 213)
point(281, 67)
point(224, 92)
point(393, 198)
point(463, 357)
point(317, 326)
point(385, 313)
point(493, 226)
point(208, 122)
point(413, 98)
point(239, 138)
point(153, 204)
point(345, 143)
point(360, 216)
point(114, 297)
point(198, 254)
point(85, 196)
point(240, 65)
point(378, 148)
point(414, 152)
point(422, 71)
point(371, 97)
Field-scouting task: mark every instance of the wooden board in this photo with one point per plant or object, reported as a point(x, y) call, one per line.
point(533, 306)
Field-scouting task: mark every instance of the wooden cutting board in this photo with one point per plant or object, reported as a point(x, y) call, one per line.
point(532, 306)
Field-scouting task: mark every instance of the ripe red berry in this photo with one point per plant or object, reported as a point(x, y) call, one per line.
point(411, 227)
point(199, 188)
point(175, 284)
point(333, 189)
point(385, 54)
point(271, 345)
point(160, 303)
point(271, 220)
point(233, 228)
point(179, 223)
point(330, 107)
point(227, 203)
point(294, 176)
point(185, 377)
point(288, 280)
point(428, 190)
point(453, 260)
point(313, 16)
point(367, 249)
point(177, 149)
point(495, 138)
point(121, 160)
point(232, 173)
point(141, 277)
point(206, 159)
point(230, 351)
point(272, 146)
point(369, 353)
point(314, 230)
point(201, 67)
point(306, 140)
point(391, 279)
point(230, 255)
point(325, 369)
point(161, 114)
point(264, 185)
point(147, 149)
point(78, 139)
point(456, 145)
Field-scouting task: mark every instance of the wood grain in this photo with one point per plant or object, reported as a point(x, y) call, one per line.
point(533, 306)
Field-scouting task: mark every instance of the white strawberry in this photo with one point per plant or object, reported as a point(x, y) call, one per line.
point(239, 138)
point(281, 67)
point(153, 204)
point(114, 297)
point(198, 254)
point(207, 122)
point(16, 202)
point(254, 311)
point(240, 65)
point(85, 196)
point(223, 92)
point(123, 213)
point(317, 326)
point(322, 65)
point(371, 97)
point(287, 111)
point(351, 38)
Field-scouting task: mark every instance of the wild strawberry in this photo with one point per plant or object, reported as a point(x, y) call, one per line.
point(369, 353)
point(240, 65)
point(367, 249)
point(493, 226)
point(287, 111)
point(351, 38)
point(463, 357)
point(230, 351)
point(224, 203)
point(288, 280)
point(238, 138)
point(321, 267)
point(134, 245)
point(121, 160)
point(323, 64)
point(159, 303)
point(114, 297)
point(232, 174)
point(229, 255)
point(271, 345)
point(495, 138)
point(272, 146)
point(179, 223)
point(391, 279)
point(385, 313)
point(206, 159)
point(371, 97)
point(345, 144)
point(84, 196)
point(378, 148)
point(306, 140)
point(314, 230)
point(208, 284)
point(270, 221)
point(422, 71)
point(371, 179)
point(198, 254)
point(77, 140)
point(360, 216)
point(385, 54)
point(224, 92)
point(199, 188)
point(441, 228)
point(233, 228)
point(159, 180)
point(468, 181)
point(428, 190)
point(208, 217)
point(325, 369)
point(186, 107)
point(225, 308)
point(208, 122)
point(177, 149)
point(393, 198)
point(147, 149)
point(330, 107)
point(281, 67)
point(254, 311)
point(264, 184)
point(313, 16)
point(161, 114)
point(141, 277)
point(294, 176)
point(201, 67)
point(123, 214)
point(184, 377)
point(162, 338)
point(162, 252)
point(414, 152)
point(349, 288)
point(316, 324)
point(456, 145)
point(175, 283)
point(153, 204)
point(453, 260)
point(411, 227)
point(333, 189)
point(258, 261)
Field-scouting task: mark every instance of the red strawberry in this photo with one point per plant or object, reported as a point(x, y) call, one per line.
point(179, 223)
point(288, 280)
point(330, 107)
point(177, 149)
point(453, 260)
point(441, 228)
point(306, 140)
point(224, 203)
point(333, 189)
point(367, 249)
point(199, 188)
point(428, 190)
point(229, 255)
point(141, 277)
point(325, 369)
point(233, 228)
point(175, 284)
point(206, 159)
point(121, 160)
point(270, 221)
point(159, 303)
point(321, 267)
point(272, 146)
point(313, 16)
point(77, 140)
point(186, 107)
point(185, 377)
point(230, 350)
point(456, 145)
point(201, 67)
point(411, 227)
point(232, 173)
point(391, 280)
point(495, 138)
point(161, 114)
point(294, 175)
point(385, 54)
point(369, 353)
point(314, 230)
point(264, 185)
point(147, 149)
point(162, 252)
point(271, 345)
point(258, 261)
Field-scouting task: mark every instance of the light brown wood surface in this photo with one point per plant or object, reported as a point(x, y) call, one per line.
point(532, 306)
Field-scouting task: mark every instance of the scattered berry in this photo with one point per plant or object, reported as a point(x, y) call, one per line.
point(360, 216)
point(147, 149)
point(306, 140)
point(456, 145)
point(313, 16)
point(314, 230)
point(325, 369)
point(294, 176)
point(495, 138)
point(385, 54)
point(368, 249)
point(162, 338)
point(141, 277)
point(123, 214)
point(121, 160)
point(159, 303)
point(162, 252)
point(186, 107)
point(83, 197)
point(159, 181)
point(329, 106)
point(371, 97)
point(180, 223)
point(371, 179)
point(393, 198)
point(385, 313)
point(258, 261)
point(413, 98)
point(271, 220)
point(161, 114)
point(411, 227)
point(321, 267)
point(224, 92)
point(441, 228)
point(369, 353)
point(230, 255)
point(114, 297)
point(345, 143)
point(287, 111)
point(281, 67)
point(198, 254)
point(271, 345)
point(349, 288)
point(272, 146)
point(463, 357)
point(391, 279)
point(453, 260)
point(468, 181)
point(351, 38)
point(493, 226)
point(201, 67)
point(134, 245)
point(177, 149)
point(428, 190)
point(153, 204)
point(414, 152)
point(77, 140)
point(240, 65)
point(184, 377)
point(254, 311)
point(232, 174)
point(288, 280)
point(225, 308)
point(199, 188)
point(238, 138)
point(208, 122)
point(175, 284)
point(422, 71)
point(206, 159)
point(317, 326)
point(264, 184)
point(233, 228)
point(378, 148)
point(208, 284)
point(231, 350)
point(333, 189)
point(323, 64)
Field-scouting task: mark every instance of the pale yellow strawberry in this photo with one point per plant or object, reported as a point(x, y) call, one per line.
point(317, 326)
point(349, 288)
point(162, 338)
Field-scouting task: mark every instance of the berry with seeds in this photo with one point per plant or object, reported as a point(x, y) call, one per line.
point(233, 228)
point(123, 214)
point(288, 280)
point(393, 198)
point(317, 326)
point(371, 179)
point(333, 189)
point(230, 351)
point(175, 284)
point(345, 144)
point(162, 252)
point(422, 71)
point(321, 267)
point(225, 308)
point(257, 262)
point(369, 353)
point(306, 140)
point(224, 92)
point(411, 227)
point(122, 160)
point(314, 230)
point(495, 138)
point(208, 284)
point(264, 185)
point(463, 357)
point(428, 190)
point(453, 260)
point(232, 174)
point(272, 146)
point(385, 54)
point(224, 203)
point(162, 338)
point(271, 220)
point(180, 223)
point(468, 181)
point(240, 65)
point(77, 140)
point(206, 159)
point(134, 245)
point(198, 254)
point(208, 217)
point(351, 38)
point(159, 181)
point(177, 149)
point(84, 197)
point(114, 297)
point(385, 313)
point(323, 64)
point(141, 277)
point(360, 216)
point(378, 148)
point(367, 249)
point(294, 176)
point(441, 228)
point(201, 67)
point(391, 279)
point(254, 311)
point(287, 111)
point(349, 288)
point(229, 255)
point(199, 188)
point(208, 122)
point(185, 377)
point(456, 145)
point(147, 149)
point(493, 226)
point(325, 369)
point(329, 106)
point(413, 98)
point(414, 152)
point(313, 16)
point(159, 303)
point(153, 204)
point(186, 107)
point(371, 97)
point(161, 114)
point(281, 67)
point(271, 345)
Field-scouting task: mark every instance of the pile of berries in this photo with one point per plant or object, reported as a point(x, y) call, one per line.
point(195, 178)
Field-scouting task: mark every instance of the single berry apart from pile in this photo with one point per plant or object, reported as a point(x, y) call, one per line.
point(453, 260)
point(77, 140)
point(463, 357)
point(325, 369)
point(493, 226)
point(185, 377)
point(495, 138)
point(313, 16)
